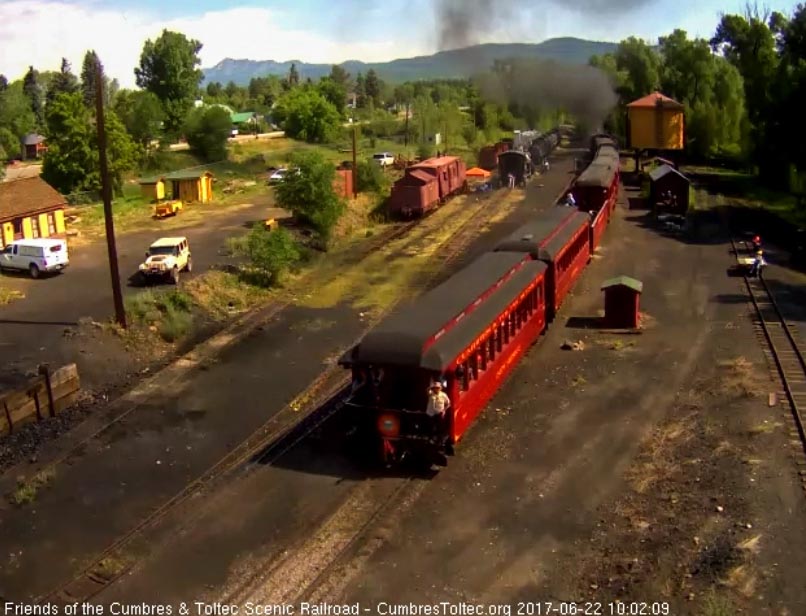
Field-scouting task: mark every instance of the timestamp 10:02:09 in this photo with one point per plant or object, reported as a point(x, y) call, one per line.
point(593, 608)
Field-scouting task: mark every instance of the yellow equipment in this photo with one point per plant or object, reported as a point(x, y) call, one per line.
point(167, 208)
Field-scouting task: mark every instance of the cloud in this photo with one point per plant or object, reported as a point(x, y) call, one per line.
point(41, 32)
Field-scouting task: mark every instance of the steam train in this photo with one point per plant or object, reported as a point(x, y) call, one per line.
point(470, 331)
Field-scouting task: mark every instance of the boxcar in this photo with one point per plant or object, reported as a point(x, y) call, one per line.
point(469, 332)
point(449, 171)
point(559, 237)
point(414, 194)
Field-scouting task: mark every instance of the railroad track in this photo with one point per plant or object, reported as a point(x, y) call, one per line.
point(784, 348)
point(281, 433)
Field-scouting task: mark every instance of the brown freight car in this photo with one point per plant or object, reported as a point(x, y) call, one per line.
point(426, 184)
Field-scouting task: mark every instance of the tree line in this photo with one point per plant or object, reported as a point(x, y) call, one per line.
point(742, 89)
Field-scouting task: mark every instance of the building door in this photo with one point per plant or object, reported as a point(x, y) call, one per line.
point(175, 190)
point(17, 228)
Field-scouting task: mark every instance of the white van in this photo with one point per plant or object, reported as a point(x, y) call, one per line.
point(35, 256)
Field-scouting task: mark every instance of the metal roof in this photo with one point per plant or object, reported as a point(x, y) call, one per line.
point(191, 174)
point(546, 234)
point(243, 116)
point(654, 100)
point(624, 281)
point(662, 171)
point(33, 139)
point(412, 336)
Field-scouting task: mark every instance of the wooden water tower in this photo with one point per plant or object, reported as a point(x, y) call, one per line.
point(656, 122)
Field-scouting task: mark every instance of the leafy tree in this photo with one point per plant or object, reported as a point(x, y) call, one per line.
point(16, 116)
point(310, 193)
point(206, 130)
point(10, 143)
point(371, 178)
point(3, 83)
point(3, 157)
point(33, 90)
point(640, 67)
point(264, 91)
point(340, 76)
point(231, 89)
point(272, 253)
point(64, 81)
point(141, 114)
point(305, 114)
point(71, 163)
point(168, 68)
point(122, 153)
point(292, 80)
point(373, 87)
point(360, 91)
point(214, 89)
point(334, 92)
point(88, 77)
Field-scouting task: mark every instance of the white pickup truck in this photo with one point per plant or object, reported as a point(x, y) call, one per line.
point(384, 159)
point(35, 256)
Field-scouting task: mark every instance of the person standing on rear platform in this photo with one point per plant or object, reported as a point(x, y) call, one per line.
point(437, 409)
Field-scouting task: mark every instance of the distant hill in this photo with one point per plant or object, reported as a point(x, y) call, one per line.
point(444, 64)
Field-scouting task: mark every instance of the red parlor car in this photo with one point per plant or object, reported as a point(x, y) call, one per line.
point(469, 333)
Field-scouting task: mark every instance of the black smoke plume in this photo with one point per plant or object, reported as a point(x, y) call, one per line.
point(544, 85)
point(462, 23)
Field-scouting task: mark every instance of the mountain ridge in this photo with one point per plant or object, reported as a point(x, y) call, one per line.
point(455, 63)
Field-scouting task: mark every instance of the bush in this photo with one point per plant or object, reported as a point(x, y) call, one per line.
point(424, 150)
point(169, 311)
point(310, 193)
point(272, 253)
point(207, 131)
point(371, 178)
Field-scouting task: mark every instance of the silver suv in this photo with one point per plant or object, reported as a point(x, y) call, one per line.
point(166, 258)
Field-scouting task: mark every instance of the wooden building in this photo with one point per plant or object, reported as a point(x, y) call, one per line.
point(30, 208)
point(621, 302)
point(33, 146)
point(185, 186)
point(656, 122)
point(665, 179)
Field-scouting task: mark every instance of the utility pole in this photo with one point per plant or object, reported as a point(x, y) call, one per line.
point(106, 188)
point(355, 165)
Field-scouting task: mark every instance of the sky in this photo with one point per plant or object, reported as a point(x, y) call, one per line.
point(41, 32)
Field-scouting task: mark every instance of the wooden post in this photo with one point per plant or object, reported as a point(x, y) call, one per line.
point(117, 296)
point(8, 417)
point(44, 370)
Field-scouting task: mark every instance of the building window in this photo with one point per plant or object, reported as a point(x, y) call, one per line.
point(51, 224)
point(35, 226)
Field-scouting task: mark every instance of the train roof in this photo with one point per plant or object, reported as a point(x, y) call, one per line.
point(417, 335)
point(546, 234)
point(435, 162)
point(597, 174)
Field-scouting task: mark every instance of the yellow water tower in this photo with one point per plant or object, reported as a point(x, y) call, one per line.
point(656, 122)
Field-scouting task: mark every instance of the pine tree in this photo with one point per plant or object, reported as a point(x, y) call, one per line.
point(32, 89)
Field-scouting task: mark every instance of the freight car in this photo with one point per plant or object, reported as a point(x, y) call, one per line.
point(427, 184)
point(488, 155)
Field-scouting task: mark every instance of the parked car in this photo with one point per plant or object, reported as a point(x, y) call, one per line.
point(278, 176)
point(35, 256)
point(384, 159)
point(165, 258)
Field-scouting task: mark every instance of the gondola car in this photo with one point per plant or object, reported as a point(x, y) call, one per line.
point(469, 332)
point(560, 238)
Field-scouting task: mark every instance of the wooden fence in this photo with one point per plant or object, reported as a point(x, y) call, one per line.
point(42, 397)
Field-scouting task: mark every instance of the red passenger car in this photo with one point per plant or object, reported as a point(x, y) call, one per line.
point(560, 238)
point(469, 332)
